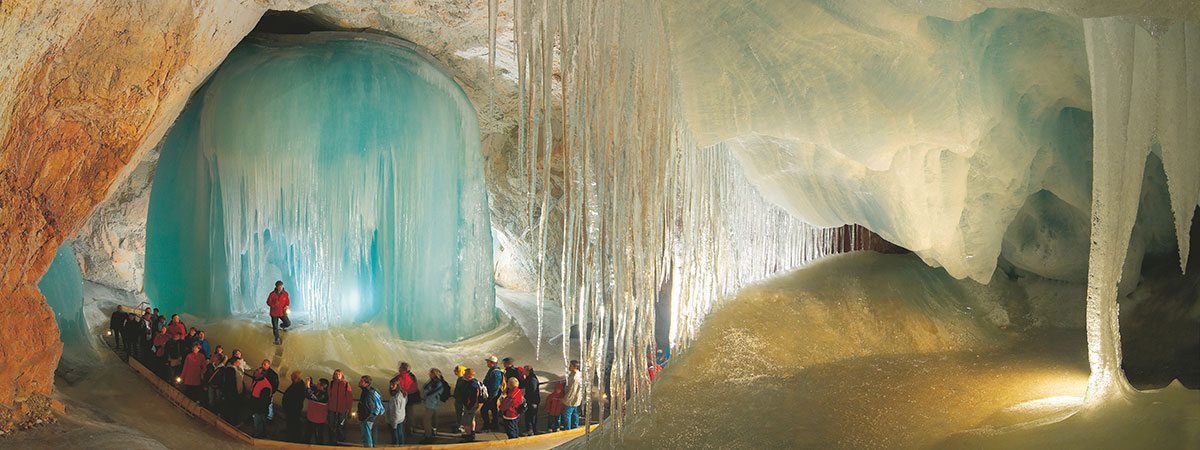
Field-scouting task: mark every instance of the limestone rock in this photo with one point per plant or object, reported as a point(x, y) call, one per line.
point(87, 88)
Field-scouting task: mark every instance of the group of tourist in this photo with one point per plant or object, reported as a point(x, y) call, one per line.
point(317, 412)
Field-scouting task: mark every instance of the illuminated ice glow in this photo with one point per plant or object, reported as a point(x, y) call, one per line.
point(347, 166)
point(63, 287)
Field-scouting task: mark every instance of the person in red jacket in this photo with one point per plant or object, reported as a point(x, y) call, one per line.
point(340, 399)
point(554, 407)
point(176, 327)
point(193, 374)
point(279, 301)
point(510, 408)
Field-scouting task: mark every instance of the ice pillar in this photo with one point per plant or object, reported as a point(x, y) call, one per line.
point(1144, 91)
point(347, 166)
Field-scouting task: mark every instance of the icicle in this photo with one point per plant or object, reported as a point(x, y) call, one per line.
point(639, 203)
point(1179, 126)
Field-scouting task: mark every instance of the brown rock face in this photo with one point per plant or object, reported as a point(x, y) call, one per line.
point(83, 110)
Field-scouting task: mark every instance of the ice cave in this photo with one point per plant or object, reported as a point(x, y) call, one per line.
point(850, 224)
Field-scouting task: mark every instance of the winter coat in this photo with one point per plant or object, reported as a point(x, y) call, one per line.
point(395, 409)
point(510, 404)
point(193, 369)
point(260, 396)
point(366, 404)
point(573, 394)
point(273, 378)
point(156, 323)
point(147, 332)
point(512, 372)
point(554, 404)
point(408, 385)
point(433, 393)
point(160, 344)
point(204, 348)
point(116, 322)
point(340, 396)
point(533, 396)
point(132, 330)
point(293, 399)
point(279, 302)
point(493, 380)
point(229, 381)
point(210, 374)
point(177, 328)
point(318, 407)
point(175, 350)
point(466, 393)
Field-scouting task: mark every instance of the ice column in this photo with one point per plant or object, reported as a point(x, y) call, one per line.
point(346, 165)
point(1145, 90)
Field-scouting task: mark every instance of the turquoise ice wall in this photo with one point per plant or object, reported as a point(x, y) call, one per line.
point(346, 165)
point(62, 285)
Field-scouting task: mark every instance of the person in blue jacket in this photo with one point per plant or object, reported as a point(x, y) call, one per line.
point(493, 381)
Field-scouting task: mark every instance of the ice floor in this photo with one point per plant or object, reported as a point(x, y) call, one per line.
point(369, 350)
point(881, 351)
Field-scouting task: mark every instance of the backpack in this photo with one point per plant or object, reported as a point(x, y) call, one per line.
point(445, 391)
point(483, 392)
point(376, 403)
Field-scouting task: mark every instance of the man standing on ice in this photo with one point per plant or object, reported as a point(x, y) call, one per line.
point(278, 301)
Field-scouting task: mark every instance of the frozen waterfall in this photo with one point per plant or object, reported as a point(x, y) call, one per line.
point(346, 165)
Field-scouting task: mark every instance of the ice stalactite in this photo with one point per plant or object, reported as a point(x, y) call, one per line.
point(346, 165)
point(640, 203)
point(1145, 76)
point(725, 236)
point(596, 110)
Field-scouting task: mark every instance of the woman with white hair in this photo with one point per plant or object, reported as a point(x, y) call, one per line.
point(511, 405)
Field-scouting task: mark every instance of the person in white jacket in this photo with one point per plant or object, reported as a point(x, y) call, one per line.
point(395, 413)
point(572, 396)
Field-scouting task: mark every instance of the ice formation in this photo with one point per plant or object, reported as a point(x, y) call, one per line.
point(347, 166)
point(726, 236)
point(62, 285)
point(931, 132)
point(936, 126)
point(1145, 92)
point(646, 212)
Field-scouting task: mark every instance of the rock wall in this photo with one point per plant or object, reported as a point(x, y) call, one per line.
point(87, 88)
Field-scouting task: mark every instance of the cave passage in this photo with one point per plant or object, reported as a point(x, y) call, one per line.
point(346, 165)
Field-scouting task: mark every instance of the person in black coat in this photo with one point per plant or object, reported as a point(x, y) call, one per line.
point(116, 324)
point(533, 398)
point(131, 332)
point(229, 381)
point(175, 353)
point(158, 320)
point(273, 378)
point(293, 406)
point(510, 371)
